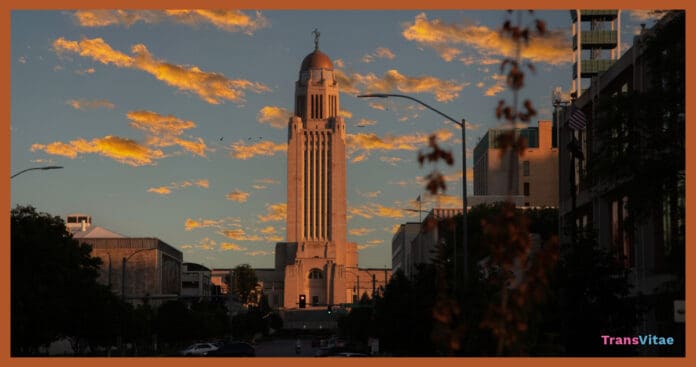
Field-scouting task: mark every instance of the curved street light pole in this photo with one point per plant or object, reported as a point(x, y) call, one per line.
point(462, 126)
point(35, 168)
point(123, 270)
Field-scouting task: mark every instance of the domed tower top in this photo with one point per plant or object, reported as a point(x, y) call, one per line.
point(317, 59)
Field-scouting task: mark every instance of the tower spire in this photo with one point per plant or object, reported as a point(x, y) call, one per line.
point(316, 34)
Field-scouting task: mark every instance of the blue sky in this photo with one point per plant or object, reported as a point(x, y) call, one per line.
point(171, 124)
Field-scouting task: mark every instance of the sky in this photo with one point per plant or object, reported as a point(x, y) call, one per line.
point(172, 124)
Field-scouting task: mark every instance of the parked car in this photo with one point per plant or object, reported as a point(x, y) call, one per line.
point(350, 354)
point(198, 349)
point(235, 349)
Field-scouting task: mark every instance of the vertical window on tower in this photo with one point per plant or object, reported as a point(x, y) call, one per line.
point(321, 106)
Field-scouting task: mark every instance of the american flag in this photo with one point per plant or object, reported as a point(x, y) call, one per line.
point(577, 120)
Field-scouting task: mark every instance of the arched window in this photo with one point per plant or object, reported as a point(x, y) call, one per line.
point(316, 274)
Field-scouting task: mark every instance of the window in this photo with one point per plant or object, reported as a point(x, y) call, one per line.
point(620, 236)
point(526, 189)
point(525, 168)
point(316, 274)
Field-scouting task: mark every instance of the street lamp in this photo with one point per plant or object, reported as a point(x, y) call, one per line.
point(462, 125)
point(123, 270)
point(35, 168)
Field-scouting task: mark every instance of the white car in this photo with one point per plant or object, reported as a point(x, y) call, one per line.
point(198, 349)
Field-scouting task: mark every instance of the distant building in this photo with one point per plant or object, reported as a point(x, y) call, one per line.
point(596, 44)
point(534, 173)
point(222, 280)
point(153, 267)
point(195, 281)
point(401, 245)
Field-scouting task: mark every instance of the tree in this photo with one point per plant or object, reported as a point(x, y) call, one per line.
point(54, 286)
point(244, 281)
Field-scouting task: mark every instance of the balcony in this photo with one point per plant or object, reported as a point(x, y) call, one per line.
point(590, 68)
point(596, 39)
point(589, 15)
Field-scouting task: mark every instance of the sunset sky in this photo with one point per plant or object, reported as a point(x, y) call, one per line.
point(172, 124)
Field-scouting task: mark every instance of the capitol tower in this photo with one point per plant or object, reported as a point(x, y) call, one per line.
point(316, 256)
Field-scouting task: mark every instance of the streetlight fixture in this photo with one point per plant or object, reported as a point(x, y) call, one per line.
point(35, 168)
point(462, 125)
point(123, 270)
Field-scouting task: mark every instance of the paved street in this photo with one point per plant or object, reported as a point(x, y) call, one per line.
point(283, 348)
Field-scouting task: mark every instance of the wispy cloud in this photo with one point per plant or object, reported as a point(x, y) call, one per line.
point(211, 87)
point(446, 38)
point(239, 235)
point(365, 123)
point(268, 230)
point(276, 117)
point(259, 253)
point(360, 231)
point(168, 189)
point(443, 90)
point(227, 20)
point(166, 130)
point(202, 223)
point(274, 213)
point(85, 71)
point(83, 104)
point(205, 244)
point(380, 53)
point(265, 148)
point(645, 15)
point(392, 161)
point(497, 87)
point(371, 243)
point(227, 246)
point(268, 181)
point(238, 196)
point(370, 194)
point(122, 150)
point(367, 142)
point(369, 211)
point(345, 114)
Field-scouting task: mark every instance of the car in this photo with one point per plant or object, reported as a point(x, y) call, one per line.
point(198, 349)
point(234, 349)
point(350, 354)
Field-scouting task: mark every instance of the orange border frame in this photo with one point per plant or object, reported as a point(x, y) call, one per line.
point(7, 6)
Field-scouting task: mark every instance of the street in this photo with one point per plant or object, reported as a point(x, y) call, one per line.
point(284, 348)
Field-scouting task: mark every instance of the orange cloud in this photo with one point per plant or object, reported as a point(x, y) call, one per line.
point(122, 150)
point(499, 86)
point(205, 244)
point(227, 20)
point(83, 104)
point(276, 117)
point(239, 235)
point(265, 148)
point(345, 114)
point(369, 211)
point(268, 230)
point(370, 141)
point(211, 87)
point(359, 158)
point(269, 181)
point(443, 90)
point(259, 187)
point(360, 231)
point(380, 52)
point(259, 253)
point(168, 189)
point(274, 213)
point(553, 48)
point(201, 223)
point(226, 246)
point(238, 196)
point(165, 131)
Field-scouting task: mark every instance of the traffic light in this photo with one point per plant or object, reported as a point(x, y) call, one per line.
point(328, 309)
point(303, 301)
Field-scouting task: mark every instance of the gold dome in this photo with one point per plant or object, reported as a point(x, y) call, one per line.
point(316, 60)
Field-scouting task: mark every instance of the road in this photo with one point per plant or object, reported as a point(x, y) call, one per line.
point(284, 348)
